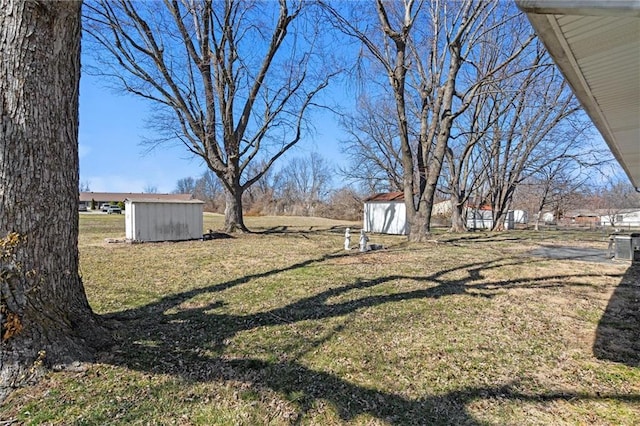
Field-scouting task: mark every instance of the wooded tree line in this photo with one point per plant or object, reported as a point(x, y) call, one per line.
point(304, 186)
point(557, 189)
point(455, 100)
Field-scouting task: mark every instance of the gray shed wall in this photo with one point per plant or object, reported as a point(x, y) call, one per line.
point(163, 221)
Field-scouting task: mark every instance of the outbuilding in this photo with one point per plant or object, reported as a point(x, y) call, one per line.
point(148, 220)
point(386, 214)
point(483, 218)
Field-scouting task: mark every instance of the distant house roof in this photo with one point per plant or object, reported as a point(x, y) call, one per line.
point(121, 196)
point(163, 200)
point(386, 197)
point(599, 212)
point(631, 210)
point(585, 213)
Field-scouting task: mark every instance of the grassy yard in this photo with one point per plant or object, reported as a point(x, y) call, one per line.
point(284, 327)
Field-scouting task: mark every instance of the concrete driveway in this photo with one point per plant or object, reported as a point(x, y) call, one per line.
point(583, 254)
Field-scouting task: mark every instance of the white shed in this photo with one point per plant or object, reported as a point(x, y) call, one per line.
point(520, 216)
point(386, 214)
point(163, 220)
point(483, 219)
point(479, 219)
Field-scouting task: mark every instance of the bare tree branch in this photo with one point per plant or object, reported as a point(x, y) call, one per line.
point(233, 81)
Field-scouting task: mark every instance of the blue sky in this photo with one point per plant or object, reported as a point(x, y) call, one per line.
point(112, 158)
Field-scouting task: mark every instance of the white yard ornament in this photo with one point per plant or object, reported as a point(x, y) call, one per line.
point(347, 239)
point(363, 241)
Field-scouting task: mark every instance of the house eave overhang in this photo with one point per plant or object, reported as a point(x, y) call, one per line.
point(596, 45)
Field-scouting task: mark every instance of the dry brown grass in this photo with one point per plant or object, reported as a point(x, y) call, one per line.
point(283, 327)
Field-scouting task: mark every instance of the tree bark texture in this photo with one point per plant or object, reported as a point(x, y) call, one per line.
point(44, 314)
point(458, 219)
point(233, 216)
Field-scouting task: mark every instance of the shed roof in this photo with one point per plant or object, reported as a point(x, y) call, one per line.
point(121, 196)
point(163, 201)
point(386, 197)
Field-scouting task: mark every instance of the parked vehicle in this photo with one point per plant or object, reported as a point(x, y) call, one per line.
point(114, 209)
point(105, 207)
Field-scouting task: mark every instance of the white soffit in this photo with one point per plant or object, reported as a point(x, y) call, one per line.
point(596, 44)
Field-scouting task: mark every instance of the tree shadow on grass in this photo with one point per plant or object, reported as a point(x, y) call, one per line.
point(482, 237)
point(618, 332)
point(168, 337)
point(308, 386)
point(302, 230)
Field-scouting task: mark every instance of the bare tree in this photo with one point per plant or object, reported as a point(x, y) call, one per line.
point(493, 64)
point(530, 90)
point(372, 146)
point(209, 190)
point(304, 183)
point(343, 203)
point(150, 189)
point(232, 80)
point(45, 319)
point(185, 186)
point(424, 50)
point(552, 188)
point(464, 175)
point(538, 124)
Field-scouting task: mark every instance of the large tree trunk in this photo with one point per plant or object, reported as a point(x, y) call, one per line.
point(233, 217)
point(458, 219)
point(419, 227)
point(44, 314)
point(536, 226)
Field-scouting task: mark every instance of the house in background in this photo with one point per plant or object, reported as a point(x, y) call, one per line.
point(581, 217)
point(479, 218)
point(100, 198)
point(627, 218)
